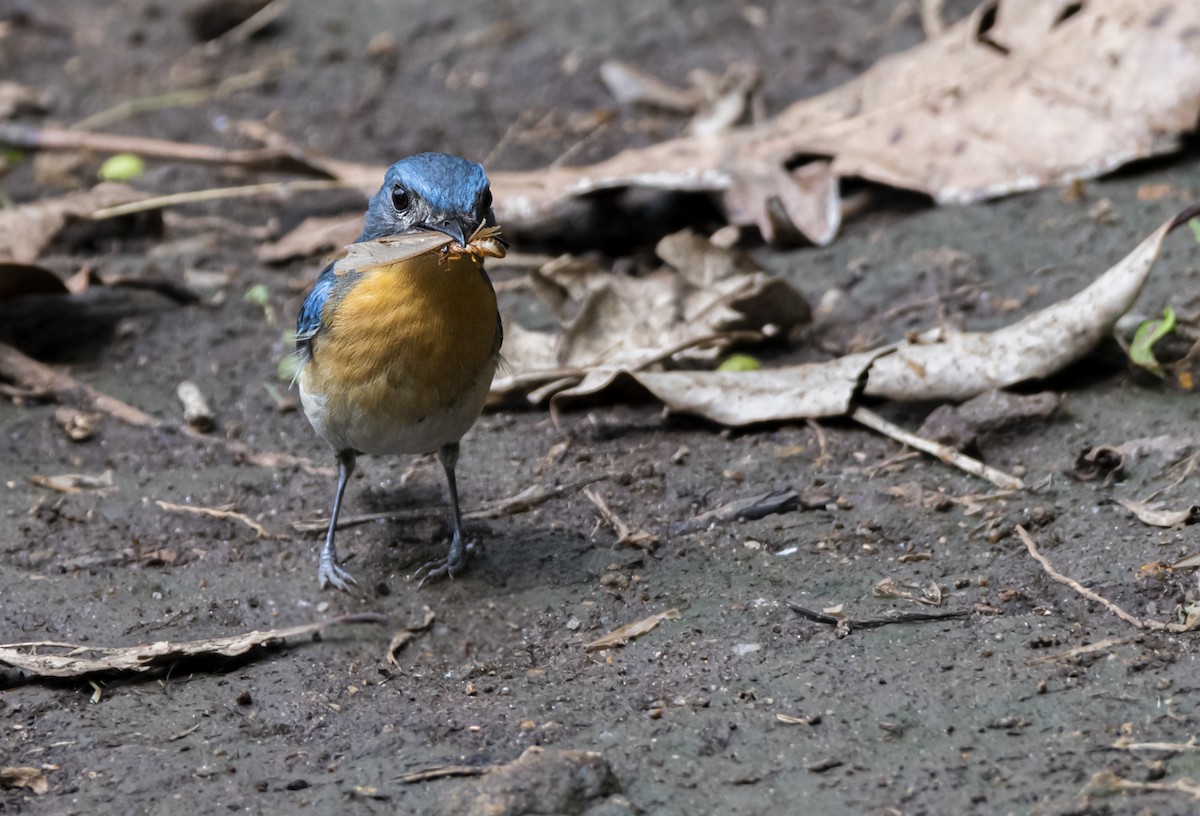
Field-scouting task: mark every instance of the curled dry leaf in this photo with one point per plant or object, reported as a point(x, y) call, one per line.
point(942, 365)
point(626, 633)
point(75, 482)
point(25, 230)
point(696, 306)
point(24, 777)
point(956, 117)
point(1147, 514)
point(314, 235)
point(403, 636)
point(50, 659)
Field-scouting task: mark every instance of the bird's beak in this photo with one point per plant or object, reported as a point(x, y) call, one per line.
point(452, 226)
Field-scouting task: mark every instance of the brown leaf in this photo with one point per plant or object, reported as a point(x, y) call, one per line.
point(26, 229)
point(314, 235)
point(50, 659)
point(1158, 518)
point(626, 633)
point(75, 482)
point(955, 117)
point(24, 777)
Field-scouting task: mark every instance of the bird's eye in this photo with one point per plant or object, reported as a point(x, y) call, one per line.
point(486, 201)
point(400, 198)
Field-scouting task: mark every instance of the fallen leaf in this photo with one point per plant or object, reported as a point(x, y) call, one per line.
point(313, 235)
point(954, 117)
point(1189, 562)
point(26, 229)
point(75, 482)
point(401, 638)
point(938, 365)
point(24, 777)
point(51, 659)
point(626, 633)
point(1158, 518)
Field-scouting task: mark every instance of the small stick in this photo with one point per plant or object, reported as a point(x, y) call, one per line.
point(871, 623)
point(281, 188)
point(213, 512)
point(625, 535)
point(1058, 577)
point(445, 771)
point(944, 452)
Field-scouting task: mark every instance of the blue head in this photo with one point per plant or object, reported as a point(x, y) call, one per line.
point(430, 191)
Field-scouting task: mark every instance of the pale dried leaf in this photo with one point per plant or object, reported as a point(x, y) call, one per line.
point(51, 659)
point(630, 85)
point(312, 236)
point(74, 482)
point(959, 365)
point(25, 230)
point(24, 777)
point(1158, 518)
point(954, 117)
point(626, 633)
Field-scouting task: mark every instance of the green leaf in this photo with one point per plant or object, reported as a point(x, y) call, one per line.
point(740, 362)
point(258, 294)
point(1141, 350)
point(122, 167)
point(1195, 225)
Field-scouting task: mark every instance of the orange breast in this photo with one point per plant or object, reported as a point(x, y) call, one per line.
point(411, 339)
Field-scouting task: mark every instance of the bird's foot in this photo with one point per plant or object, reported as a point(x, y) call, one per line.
point(331, 575)
point(448, 567)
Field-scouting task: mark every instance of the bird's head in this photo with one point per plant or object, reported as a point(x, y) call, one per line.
point(430, 191)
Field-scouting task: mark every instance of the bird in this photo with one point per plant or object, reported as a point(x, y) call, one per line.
point(396, 354)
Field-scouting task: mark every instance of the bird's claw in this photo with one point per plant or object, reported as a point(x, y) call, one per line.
point(447, 567)
point(331, 575)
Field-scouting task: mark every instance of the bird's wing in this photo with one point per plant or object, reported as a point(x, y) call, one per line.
point(309, 318)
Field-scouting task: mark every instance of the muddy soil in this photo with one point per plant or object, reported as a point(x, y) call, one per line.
point(739, 706)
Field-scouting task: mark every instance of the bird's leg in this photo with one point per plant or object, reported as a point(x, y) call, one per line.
point(328, 572)
point(456, 559)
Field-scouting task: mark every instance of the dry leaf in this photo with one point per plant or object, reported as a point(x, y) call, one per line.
point(947, 365)
point(626, 633)
point(403, 636)
point(24, 777)
point(25, 230)
point(314, 235)
point(50, 659)
point(15, 97)
point(614, 322)
point(955, 117)
point(1158, 518)
point(75, 482)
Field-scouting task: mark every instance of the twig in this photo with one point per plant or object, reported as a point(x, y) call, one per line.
point(625, 535)
point(1058, 577)
point(213, 512)
point(280, 188)
point(1079, 651)
point(523, 502)
point(445, 771)
point(1124, 744)
point(1107, 781)
point(175, 99)
point(247, 28)
point(871, 623)
point(944, 452)
point(38, 377)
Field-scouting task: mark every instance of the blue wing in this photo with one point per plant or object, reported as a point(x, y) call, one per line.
point(309, 319)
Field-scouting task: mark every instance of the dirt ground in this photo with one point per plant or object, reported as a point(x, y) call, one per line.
point(740, 706)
